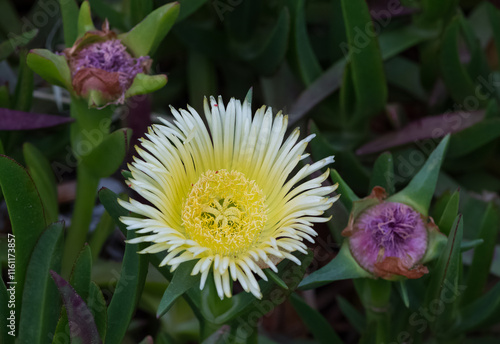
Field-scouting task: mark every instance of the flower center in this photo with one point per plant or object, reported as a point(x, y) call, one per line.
point(225, 212)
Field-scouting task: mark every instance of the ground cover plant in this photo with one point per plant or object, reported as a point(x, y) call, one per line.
point(236, 171)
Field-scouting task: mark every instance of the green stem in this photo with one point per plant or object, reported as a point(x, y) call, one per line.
point(375, 295)
point(90, 128)
point(86, 191)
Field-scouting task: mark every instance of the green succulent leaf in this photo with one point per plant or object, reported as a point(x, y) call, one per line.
point(80, 275)
point(355, 318)
point(99, 162)
point(132, 276)
point(456, 77)
point(188, 7)
point(444, 278)
point(97, 306)
point(85, 22)
point(26, 215)
point(302, 55)
point(53, 68)
point(144, 84)
point(450, 212)
point(418, 193)
point(44, 179)
point(483, 311)
point(23, 95)
point(366, 62)
point(342, 267)
point(483, 256)
point(41, 306)
point(145, 37)
point(69, 13)
point(383, 172)
point(269, 56)
point(347, 196)
point(319, 327)
point(180, 283)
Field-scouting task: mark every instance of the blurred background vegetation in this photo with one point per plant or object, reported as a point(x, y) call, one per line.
point(365, 76)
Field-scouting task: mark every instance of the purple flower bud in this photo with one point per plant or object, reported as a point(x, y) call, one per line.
point(111, 56)
point(99, 61)
point(389, 239)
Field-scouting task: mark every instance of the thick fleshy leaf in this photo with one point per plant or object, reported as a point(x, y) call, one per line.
point(26, 215)
point(433, 11)
point(356, 319)
point(202, 78)
point(41, 306)
point(23, 95)
point(69, 13)
point(144, 84)
point(320, 87)
point(44, 179)
point(474, 137)
point(188, 7)
point(99, 162)
point(180, 283)
point(405, 74)
point(383, 173)
point(450, 212)
point(14, 42)
point(272, 276)
point(342, 267)
point(20, 120)
point(444, 278)
point(483, 255)
point(267, 57)
point(106, 11)
point(139, 9)
point(319, 327)
point(347, 195)
point(81, 322)
point(53, 68)
point(352, 170)
point(302, 54)
point(103, 230)
point(423, 129)
point(145, 37)
point(366, 62)
point(418, 193)
point(483, 311)
point(97, 305)
point(132, 276)
point(458, 82)
point(80, 275)
point(85, 22)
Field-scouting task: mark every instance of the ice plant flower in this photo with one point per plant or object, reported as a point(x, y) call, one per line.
point(226, 196)
point(388, 239)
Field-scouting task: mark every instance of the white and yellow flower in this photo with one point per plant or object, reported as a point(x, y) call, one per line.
point(225, 196)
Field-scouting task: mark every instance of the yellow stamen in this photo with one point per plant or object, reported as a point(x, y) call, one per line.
point(225, 212)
